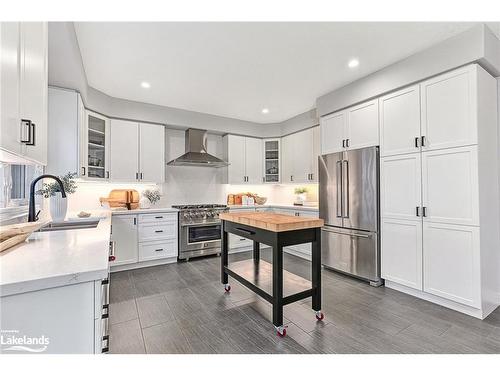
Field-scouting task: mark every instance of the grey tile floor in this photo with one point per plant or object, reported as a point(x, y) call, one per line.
point(182, 308)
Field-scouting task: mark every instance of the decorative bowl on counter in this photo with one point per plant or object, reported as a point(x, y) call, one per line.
point(260, 200)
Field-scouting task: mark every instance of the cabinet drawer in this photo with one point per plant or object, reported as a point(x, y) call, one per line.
point(157, 249)
point(157, 218)
point(154, 231)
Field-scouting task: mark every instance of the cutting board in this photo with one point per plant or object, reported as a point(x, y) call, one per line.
point(11, 235)
point(120, 198)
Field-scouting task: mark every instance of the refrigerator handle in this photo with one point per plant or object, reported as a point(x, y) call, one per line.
point(339, 188)
point(345, 188)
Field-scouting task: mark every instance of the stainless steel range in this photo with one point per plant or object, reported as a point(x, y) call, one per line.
point(199, 229)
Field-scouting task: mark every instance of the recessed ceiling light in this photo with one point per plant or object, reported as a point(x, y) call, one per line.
point(265, 110)
point(353, 63)
point(145, 85)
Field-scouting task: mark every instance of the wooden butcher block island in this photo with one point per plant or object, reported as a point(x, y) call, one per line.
point(270, 281)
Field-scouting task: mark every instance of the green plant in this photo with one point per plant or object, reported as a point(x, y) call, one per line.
point(50, 189)
point(152, 195)
point(300, 190)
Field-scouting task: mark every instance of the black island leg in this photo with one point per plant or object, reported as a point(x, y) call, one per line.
point(316, 270)
point(278, 286)
point(256, 251)
point(223, 256)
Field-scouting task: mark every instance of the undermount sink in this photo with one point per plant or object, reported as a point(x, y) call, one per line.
point(69, 225)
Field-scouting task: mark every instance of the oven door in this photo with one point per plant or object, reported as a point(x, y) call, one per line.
point(200, 233)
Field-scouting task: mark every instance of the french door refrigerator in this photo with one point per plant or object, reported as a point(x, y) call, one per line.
point(349, 205)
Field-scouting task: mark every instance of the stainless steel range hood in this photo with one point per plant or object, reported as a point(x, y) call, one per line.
point(196, 152)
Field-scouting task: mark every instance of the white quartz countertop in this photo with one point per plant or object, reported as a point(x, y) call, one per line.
point(144, 211)
point(283, 206)
point(57, 258)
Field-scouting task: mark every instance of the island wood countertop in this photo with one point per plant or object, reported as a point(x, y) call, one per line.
point(272, 222)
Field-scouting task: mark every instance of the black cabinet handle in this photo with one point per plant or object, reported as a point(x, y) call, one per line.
point(32, 143)
point(158, 217)
point(417, 211)
point(107, 174)
point(422, 142)
point(416, 142)
point(135, 220)
point(136, 175)
point(424, 211)
point(343, 143)
point(158, 231)
point(347, 142)
point(141, 175)
point(159, 250)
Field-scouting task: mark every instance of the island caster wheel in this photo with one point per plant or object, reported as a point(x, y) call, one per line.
point(227, 288)
point(281, 331)
point(319, 315)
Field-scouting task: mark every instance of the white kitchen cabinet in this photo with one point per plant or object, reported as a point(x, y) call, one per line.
point(34, 85)
point(96, 146)
point(244, 155)
point(362, 125)
point(401, 257)
point(272, 160)
point(450, 185)
point(300, 156)
point(65, 118)
point(152, 153)
point(153, 250)
point(24, 75)
point(350, 129)
point(124, 151)
point(447, 251)
point(400, 186)
point(333, 130)
point(10, 70)
point(451, 262)
point(400, 122)
point(124, 234)
point(449, 109)
point(253, 160)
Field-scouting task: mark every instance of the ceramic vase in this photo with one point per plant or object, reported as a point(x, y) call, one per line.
point(58, 207)
point(144, 203)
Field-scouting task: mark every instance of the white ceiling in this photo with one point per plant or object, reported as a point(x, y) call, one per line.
point(236, 69)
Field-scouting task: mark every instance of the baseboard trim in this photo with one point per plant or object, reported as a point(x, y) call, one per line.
point(468, 310)
point(149, 263)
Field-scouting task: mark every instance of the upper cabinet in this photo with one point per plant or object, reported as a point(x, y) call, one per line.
point(352, 128)
point(436, 114)
point(137, 152)
point(300, 153)
point(65, 119)
point(24, 77)
point(400, 122)
point(95, 145)
point(449, 109)
point(272, 160)
point(244, 155)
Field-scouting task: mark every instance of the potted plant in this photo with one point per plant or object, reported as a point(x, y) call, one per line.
point(300, 196)
point(150, 197)
point(58, 204)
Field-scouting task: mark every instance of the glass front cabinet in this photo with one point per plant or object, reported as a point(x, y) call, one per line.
point(272, 161)
point(94, 146)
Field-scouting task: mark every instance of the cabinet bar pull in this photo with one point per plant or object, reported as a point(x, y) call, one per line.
point(158, 249)
point(135, 220)
point(423, 141)
point(107, 174)
point(416, 142)
point(136, 175)
point(343, 143)
point(141, 175)
point(417, 211)
point(158, 217)
point(158, 231)
point(84, 171)
point(347, 142)
point(424, 211)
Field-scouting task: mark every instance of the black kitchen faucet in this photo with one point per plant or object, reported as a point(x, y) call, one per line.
point(31, 211)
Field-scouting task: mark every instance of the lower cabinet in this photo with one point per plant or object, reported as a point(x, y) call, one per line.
point(401, 258)
point(143, 238)
point(124, 234)
point(451, 262)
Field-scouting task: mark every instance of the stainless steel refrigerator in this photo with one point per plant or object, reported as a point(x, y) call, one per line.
point(349, 205)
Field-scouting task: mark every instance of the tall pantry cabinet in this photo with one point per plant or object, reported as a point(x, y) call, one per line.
point(439, 190)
